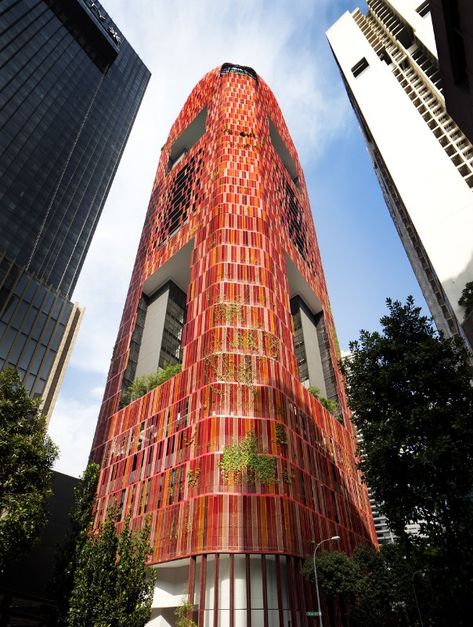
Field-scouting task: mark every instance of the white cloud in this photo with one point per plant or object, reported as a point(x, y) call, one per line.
point(180, 41)
point(72, 429)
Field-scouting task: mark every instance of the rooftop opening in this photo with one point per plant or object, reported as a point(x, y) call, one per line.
point(228, 68)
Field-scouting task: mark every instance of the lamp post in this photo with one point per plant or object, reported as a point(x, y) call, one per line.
point(319, 608)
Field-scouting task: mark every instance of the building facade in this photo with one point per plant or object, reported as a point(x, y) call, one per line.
point(454, 38)
point(70, 88)
point(236, 465)
point(424, 162)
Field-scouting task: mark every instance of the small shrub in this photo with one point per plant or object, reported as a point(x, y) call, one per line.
point(330, 405)
point(147, 382)
point(182, 613)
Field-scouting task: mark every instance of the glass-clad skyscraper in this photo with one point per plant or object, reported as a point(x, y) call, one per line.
point(70, 88)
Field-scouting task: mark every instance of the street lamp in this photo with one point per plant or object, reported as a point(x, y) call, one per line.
point(332, 539)
point(417, 572)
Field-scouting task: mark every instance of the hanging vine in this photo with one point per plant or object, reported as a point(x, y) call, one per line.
point(241, 461)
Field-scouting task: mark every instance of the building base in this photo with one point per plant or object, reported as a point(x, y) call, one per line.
point(238, 590)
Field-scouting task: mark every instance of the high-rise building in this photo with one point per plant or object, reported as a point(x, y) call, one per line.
point(454, 38)
point(70, 88)
point(424, 162)
point(236, 464)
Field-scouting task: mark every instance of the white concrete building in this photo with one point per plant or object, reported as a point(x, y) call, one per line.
point(424, 163)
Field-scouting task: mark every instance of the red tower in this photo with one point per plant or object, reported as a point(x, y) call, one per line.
point(238, 466)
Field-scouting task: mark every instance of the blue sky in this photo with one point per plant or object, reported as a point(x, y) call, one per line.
point(285, 43)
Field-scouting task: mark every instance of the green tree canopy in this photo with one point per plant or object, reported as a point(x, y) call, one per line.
point(27, 455)
point(411, 393)
point(112, 585)
point(337, 574)
point(81, 518)
point(466, 299)
point(372, 587)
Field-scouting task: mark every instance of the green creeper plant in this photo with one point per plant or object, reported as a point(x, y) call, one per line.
point(27, 455)
point(193, 477)
point(281, 434)
point(242, 460)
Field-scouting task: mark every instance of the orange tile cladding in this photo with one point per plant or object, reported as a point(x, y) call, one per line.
point(162, 452)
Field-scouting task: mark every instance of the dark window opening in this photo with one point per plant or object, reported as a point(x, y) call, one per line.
point(298, 340)
point(183, 197)
point(385, 56)
point(424, 8)
point(171, 346)
point(293, 218)
point(359, 67)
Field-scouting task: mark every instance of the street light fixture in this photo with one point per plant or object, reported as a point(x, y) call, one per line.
point(319, 608)
point(417, 572)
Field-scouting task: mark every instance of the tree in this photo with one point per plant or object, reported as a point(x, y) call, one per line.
point(466, 299)
point(372, 587)
point(112, 585)
point(384, 587)
point(338, 578)
point(81, 518)
point(27, 455)
point(410, 390)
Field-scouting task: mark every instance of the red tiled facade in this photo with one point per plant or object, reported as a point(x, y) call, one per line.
point(160, 455)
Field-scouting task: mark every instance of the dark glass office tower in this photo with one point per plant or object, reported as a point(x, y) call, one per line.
point(70, 88)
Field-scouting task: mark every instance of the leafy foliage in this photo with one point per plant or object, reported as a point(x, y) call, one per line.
point(329, 405)
point(112, 586)
point(281, 434)
point(372, 587)
point(337, 573)
point(27, 455)
point(466, 299)
point(80, 519)
point(410, 390)
point(242, 460)
point(147, 382)
point(193, 477)
point(412, 399)
point(182, 614)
